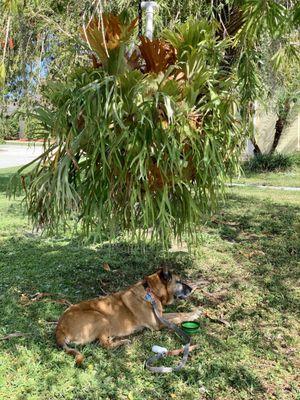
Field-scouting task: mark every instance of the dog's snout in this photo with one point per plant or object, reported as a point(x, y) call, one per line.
point(183, 291)
point(187, 289)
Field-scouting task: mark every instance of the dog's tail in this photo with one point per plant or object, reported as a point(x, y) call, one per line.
point(61, 341)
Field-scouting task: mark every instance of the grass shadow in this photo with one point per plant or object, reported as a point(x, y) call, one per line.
point(30, 265)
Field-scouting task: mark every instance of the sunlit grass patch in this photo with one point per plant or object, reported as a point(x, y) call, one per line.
point(287, 178)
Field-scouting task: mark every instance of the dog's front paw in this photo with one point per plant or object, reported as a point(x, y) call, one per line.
point(195, 314)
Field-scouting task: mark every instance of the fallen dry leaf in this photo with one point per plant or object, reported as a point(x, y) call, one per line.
point(106, 267)
point(253, 253)
point(24, 299)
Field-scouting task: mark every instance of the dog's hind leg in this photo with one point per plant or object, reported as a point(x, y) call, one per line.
point(61, 342)
point(177, 318)
point(108, 343)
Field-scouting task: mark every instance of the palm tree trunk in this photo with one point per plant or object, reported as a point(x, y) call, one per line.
point(280, 124)
point(257, 150)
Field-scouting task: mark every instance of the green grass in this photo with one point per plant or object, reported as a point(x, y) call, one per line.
point(271, 195)
point(288, 178)
point(248, 262)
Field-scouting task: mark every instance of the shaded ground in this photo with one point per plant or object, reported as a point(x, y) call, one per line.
point(247, 262)
point(12, 154)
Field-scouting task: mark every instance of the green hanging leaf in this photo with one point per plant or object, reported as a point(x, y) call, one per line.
point(2, 74)
point(12, 6)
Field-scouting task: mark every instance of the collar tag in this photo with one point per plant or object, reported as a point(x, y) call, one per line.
point(149, 297)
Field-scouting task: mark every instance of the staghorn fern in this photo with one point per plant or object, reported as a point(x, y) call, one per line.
point(141, 148)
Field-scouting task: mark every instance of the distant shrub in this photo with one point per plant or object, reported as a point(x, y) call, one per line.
point(32, 129)
point(9, 127)
point(269, 162)
point(296, 158)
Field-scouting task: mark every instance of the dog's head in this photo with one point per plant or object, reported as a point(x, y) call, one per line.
point(168, 286)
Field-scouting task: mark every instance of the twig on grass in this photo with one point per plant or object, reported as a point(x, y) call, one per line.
point(177, 352)
point(13, 335)
point(217, 320)
point(29, 299)
point(196, 285)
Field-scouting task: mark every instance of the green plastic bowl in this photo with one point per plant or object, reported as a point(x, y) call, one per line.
point(190, 327)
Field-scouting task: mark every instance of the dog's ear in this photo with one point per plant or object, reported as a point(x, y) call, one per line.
point(165, 274)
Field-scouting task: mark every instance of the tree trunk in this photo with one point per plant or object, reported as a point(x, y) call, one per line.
point(278, 131)
point(257, 150)
point(251, 114)
point(280, 124)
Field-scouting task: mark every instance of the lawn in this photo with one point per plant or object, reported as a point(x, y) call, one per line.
point(266, 194)
point(247, 265)
point(288, 178)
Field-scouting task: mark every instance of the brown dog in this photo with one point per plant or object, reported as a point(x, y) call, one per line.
point(122, 313)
